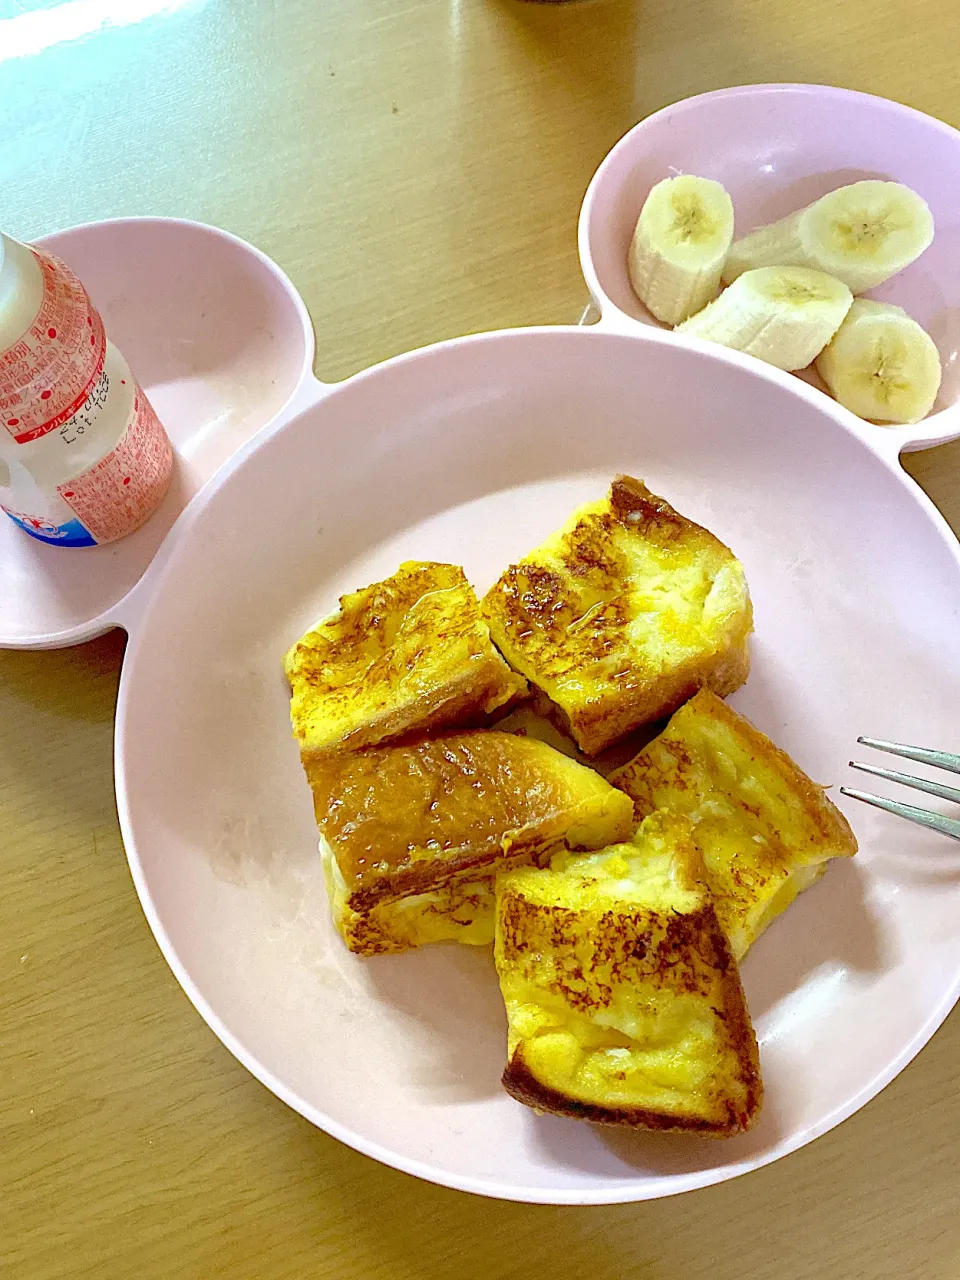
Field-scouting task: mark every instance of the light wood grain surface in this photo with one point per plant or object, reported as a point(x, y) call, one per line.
point(416, 166)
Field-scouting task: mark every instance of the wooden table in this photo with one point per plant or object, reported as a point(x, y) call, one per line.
point(416, 166)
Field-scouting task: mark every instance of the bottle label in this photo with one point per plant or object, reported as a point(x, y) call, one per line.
point(69, 534)
point(118, 494)
point(48, 373)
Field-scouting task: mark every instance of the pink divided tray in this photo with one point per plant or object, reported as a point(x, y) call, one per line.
point(290, 492)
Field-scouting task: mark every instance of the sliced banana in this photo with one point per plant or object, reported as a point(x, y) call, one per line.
point(881, 364)
point(863, 234)
point(678, 248)
point(784, 315)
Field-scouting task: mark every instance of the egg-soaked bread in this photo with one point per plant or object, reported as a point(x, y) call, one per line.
point(765, 829)
point(435, 816)
point(623, 999)
point(623, 614)
point(459, 911)
point(409, 654)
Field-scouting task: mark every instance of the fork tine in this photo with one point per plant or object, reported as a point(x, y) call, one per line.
point(918, 784)
point(939, 759)
point(936, 821)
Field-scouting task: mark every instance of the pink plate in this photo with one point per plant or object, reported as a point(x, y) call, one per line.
point(472, 451)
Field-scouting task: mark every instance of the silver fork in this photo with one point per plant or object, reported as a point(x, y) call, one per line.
point(926, 818)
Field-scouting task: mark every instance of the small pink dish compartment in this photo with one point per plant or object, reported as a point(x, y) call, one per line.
point(221, 342)
point(776, 148)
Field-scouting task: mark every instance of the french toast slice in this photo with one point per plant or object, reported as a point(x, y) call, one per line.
point(409, 654)
point(765, 829)
point(624, 1003)
point(434, 817)
point(462, 910)
point(623, 614)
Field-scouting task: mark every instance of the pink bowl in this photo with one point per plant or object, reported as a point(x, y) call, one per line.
point(775, 148)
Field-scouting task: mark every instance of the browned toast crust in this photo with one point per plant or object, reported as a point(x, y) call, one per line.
point(460, 911)
point(518, 1081)
point(568, 618)
point(635, 777)
point(409, 654)
point(586, 959)
point(405, 819)
point(766, 830)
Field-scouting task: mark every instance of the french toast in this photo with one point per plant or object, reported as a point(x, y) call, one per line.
point(765, 829)
point(406, 655)
point(624, 1003)
point(459, 911)
point(623, 614)
point(412, 833)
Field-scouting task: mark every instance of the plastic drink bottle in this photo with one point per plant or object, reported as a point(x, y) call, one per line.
point(84, 459)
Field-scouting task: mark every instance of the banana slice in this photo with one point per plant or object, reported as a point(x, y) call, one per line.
point(678, 249)
point(881, 364)
point(863, 234)
point(784, 315)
